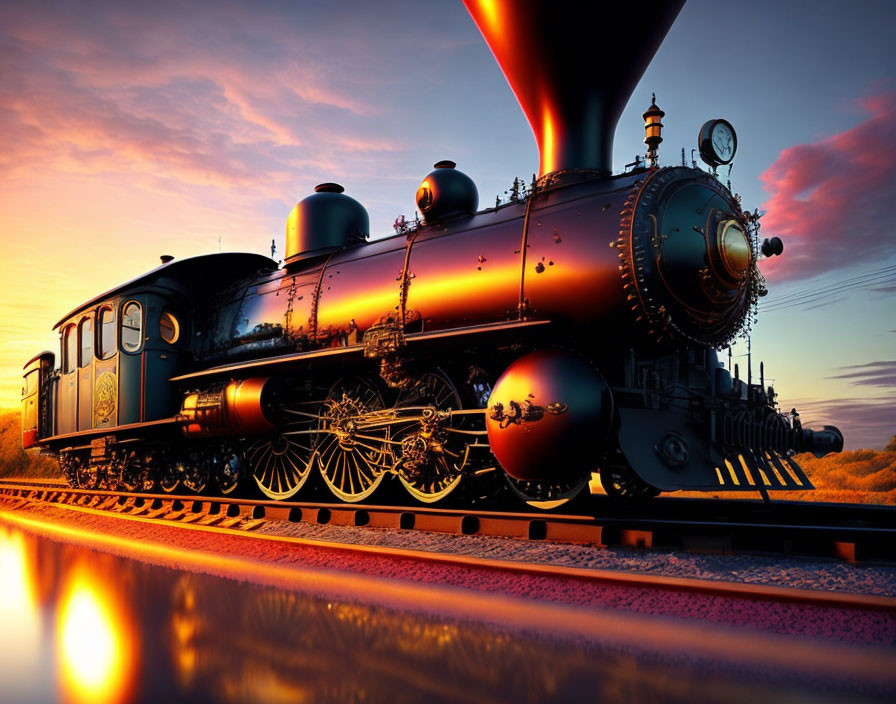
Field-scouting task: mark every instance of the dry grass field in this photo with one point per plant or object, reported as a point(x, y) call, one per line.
point(14, 461)
point(853, 476)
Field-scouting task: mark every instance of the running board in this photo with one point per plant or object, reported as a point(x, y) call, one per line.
point(410, 338)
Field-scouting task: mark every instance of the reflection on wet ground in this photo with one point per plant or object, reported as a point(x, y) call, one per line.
point(81, 626)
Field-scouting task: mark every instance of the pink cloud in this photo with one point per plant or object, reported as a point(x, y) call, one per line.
point(194, 96)
point(831, 200)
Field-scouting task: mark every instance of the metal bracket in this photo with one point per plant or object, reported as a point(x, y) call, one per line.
point(384, 339)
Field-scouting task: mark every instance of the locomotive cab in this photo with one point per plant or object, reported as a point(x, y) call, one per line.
point(166, 353)
point(119, 349)
point(113, 356)
point(153, 346)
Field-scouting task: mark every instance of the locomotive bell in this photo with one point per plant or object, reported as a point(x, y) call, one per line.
point(446, 193)
point(326, 221)
point(549, 416)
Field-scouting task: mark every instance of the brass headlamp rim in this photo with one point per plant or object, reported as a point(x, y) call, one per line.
point(736, 258)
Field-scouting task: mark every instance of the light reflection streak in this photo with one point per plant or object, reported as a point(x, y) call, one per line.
point(16, 589)
point(549, 157)
point(94, 643)
point(490, 15)
point(20, 651)
point(184, 625)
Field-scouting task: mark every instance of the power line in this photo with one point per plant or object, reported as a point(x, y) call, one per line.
point(883, 271)
point(884, 275)
point(789, 301)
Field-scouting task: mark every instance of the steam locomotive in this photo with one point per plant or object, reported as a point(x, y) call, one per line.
point(572, 329)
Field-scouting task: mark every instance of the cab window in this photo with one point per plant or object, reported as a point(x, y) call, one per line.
point(169, 327)
point(69, 349)
point(131, 326)
point(30, 383)
point(85, 333)
point(107, 333)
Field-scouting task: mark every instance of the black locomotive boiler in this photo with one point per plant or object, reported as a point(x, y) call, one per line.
point(572, 329)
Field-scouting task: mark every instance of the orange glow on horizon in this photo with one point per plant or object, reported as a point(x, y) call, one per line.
point(95, 644)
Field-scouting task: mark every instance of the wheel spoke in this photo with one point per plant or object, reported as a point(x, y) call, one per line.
point(304, 414)
point(347, 458)
point(268, 472)
point(362, 477)
point(350, 471)
point(430, 443)
point(281, 464)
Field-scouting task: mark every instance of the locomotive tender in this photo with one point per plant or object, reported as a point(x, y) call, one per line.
point(572, 329)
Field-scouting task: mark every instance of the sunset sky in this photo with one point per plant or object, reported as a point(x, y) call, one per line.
point(131, 130)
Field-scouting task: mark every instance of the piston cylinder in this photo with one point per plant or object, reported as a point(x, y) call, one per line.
point(241, 408)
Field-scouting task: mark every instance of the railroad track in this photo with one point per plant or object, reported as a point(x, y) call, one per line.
point(701, 525)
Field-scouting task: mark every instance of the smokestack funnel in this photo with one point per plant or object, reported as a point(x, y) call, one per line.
point(572, 77)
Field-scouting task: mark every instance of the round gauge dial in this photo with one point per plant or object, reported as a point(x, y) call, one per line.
point(717, 142)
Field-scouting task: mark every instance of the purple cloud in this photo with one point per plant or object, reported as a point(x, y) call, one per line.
point(871, 374)
point(864, 422)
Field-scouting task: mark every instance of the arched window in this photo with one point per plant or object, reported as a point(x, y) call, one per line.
point(131, 326)
point(169, 327)
point(85, 335)
point(107, 333)
point(69, 349)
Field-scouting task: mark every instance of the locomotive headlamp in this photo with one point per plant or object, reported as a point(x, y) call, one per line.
point(717, 142)
point(653, 130)
point(697, 286)
point(734, 247)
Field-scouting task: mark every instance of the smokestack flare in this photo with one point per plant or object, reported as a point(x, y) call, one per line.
point(572, 78)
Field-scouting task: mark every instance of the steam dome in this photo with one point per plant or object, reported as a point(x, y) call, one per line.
point(446, 193)
point(324, 222)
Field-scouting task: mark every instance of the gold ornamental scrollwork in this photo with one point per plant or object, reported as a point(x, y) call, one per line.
point(525, 412)
point(105, 396)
